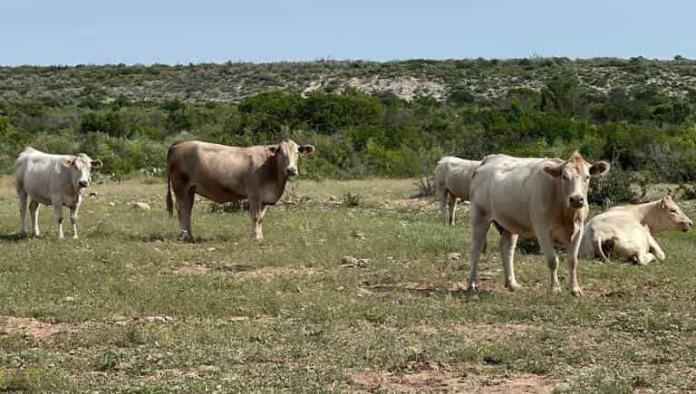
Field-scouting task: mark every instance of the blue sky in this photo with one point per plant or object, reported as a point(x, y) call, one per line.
point(128, 31)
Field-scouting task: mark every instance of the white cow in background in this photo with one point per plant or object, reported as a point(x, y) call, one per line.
point(452, 181)
point(58, 180)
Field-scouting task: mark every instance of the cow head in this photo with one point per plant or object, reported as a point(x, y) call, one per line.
point(671, 216)
point(287, 153)
point(80, 168)
point(574, 176)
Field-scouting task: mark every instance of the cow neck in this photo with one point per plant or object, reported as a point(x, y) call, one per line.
point(278, 175)
point(574, 216)
point(67, 177)
point(648, 214)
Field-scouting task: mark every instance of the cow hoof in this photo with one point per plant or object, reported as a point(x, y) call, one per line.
point(513, 286)
point(472, 289)
point(75, 237)
point(577, 292)
point(556, 289)
point(185, 236)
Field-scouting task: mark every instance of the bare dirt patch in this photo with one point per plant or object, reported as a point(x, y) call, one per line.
point(243, 271)
point(195, 269)
point(421, 204)
point(10, 325)
point(417, 289)
point(270, 272)
point(439, 378)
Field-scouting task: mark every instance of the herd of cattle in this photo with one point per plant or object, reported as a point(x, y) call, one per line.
point(541, 197)
point(547, 198)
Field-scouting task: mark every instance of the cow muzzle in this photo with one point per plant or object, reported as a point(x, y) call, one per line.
point(576, 202)
point(82, 184)
point(292, 171)
point(686, 226)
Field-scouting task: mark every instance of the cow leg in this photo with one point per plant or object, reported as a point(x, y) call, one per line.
point(58, 213)
point(644, 259)
point(572, 251)
point(479, 228)
point(73, 219)
point(444, 200)
point(184, 207)
point(34, 217)
point(22, 197)
point(546, 245)
point(452, 208)
point(655, 248)
point(508, 241)
point(257, 211)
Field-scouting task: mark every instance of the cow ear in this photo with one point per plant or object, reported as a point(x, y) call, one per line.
point(554, 171)
point(273, 149)
point(96, 163)
point(599, 168)
point(664, 201)
point(306, 149)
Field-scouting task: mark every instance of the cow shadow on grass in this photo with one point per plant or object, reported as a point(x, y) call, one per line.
point(167, 237)
point(419, 290)
point(13, 237)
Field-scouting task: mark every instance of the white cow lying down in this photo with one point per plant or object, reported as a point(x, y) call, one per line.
point(626, 232)
point(48, 179)
point(452, 181)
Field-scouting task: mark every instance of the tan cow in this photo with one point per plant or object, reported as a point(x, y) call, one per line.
point(546, 198)
point(626, 232)
point(452, 181)
point(227, 173)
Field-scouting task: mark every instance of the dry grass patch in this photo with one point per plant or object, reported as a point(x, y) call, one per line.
point(430, 377)
point(483, 332)
point(10, 325)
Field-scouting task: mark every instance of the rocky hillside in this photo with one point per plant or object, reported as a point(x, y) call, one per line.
point(480, 79)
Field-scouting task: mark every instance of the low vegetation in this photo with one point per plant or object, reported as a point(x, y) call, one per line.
point(128, 308)
point(641, 114)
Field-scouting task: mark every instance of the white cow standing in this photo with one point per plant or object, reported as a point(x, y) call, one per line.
point(58, 180)
point(546, 198)
point(627, 231)
point(452, 181)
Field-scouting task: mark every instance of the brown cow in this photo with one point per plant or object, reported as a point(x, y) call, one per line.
point(228, 173)
point(542, 197)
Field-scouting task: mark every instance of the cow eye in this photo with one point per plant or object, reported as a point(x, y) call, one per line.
point(673, 210)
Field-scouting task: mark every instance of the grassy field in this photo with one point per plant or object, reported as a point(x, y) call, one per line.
point(129, 308)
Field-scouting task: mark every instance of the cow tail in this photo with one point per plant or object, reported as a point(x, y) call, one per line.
point(170, 202)
point(599, 249)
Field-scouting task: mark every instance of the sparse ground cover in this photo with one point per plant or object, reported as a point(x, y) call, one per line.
point(129, 308)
